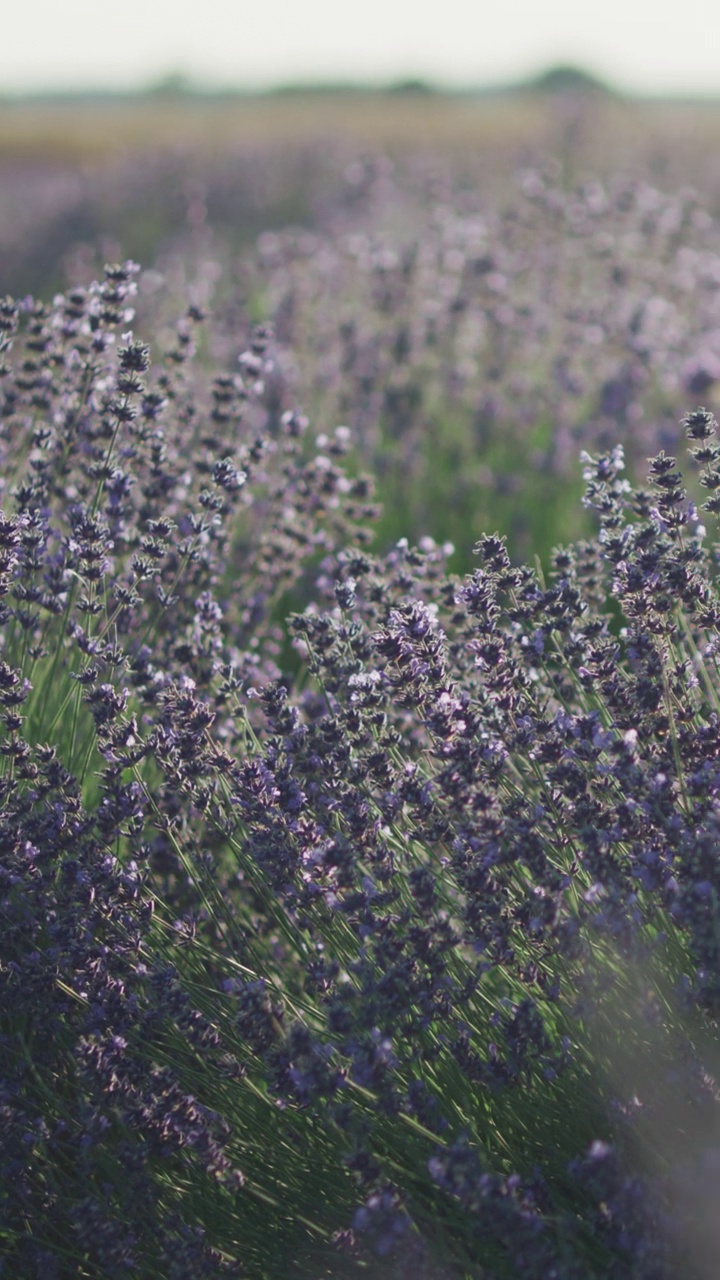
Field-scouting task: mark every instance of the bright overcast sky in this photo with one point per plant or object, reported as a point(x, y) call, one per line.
point(646, 45)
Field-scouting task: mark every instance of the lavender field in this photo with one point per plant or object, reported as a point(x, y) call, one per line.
point(360, 746)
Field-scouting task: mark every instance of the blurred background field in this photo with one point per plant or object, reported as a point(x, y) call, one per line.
point(479, 285)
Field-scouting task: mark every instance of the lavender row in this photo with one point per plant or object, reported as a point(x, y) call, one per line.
point(354, 913)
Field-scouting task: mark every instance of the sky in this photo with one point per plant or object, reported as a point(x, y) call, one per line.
point(638, 45)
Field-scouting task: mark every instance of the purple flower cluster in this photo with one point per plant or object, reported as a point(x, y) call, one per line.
point(116, 541)
point(353, 911)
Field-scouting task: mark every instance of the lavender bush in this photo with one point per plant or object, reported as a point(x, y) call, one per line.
point(358, 918)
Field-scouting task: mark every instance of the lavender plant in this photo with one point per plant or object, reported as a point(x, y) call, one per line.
point(358, 918)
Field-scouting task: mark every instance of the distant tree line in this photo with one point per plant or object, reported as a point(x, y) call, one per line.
point(175, 85)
